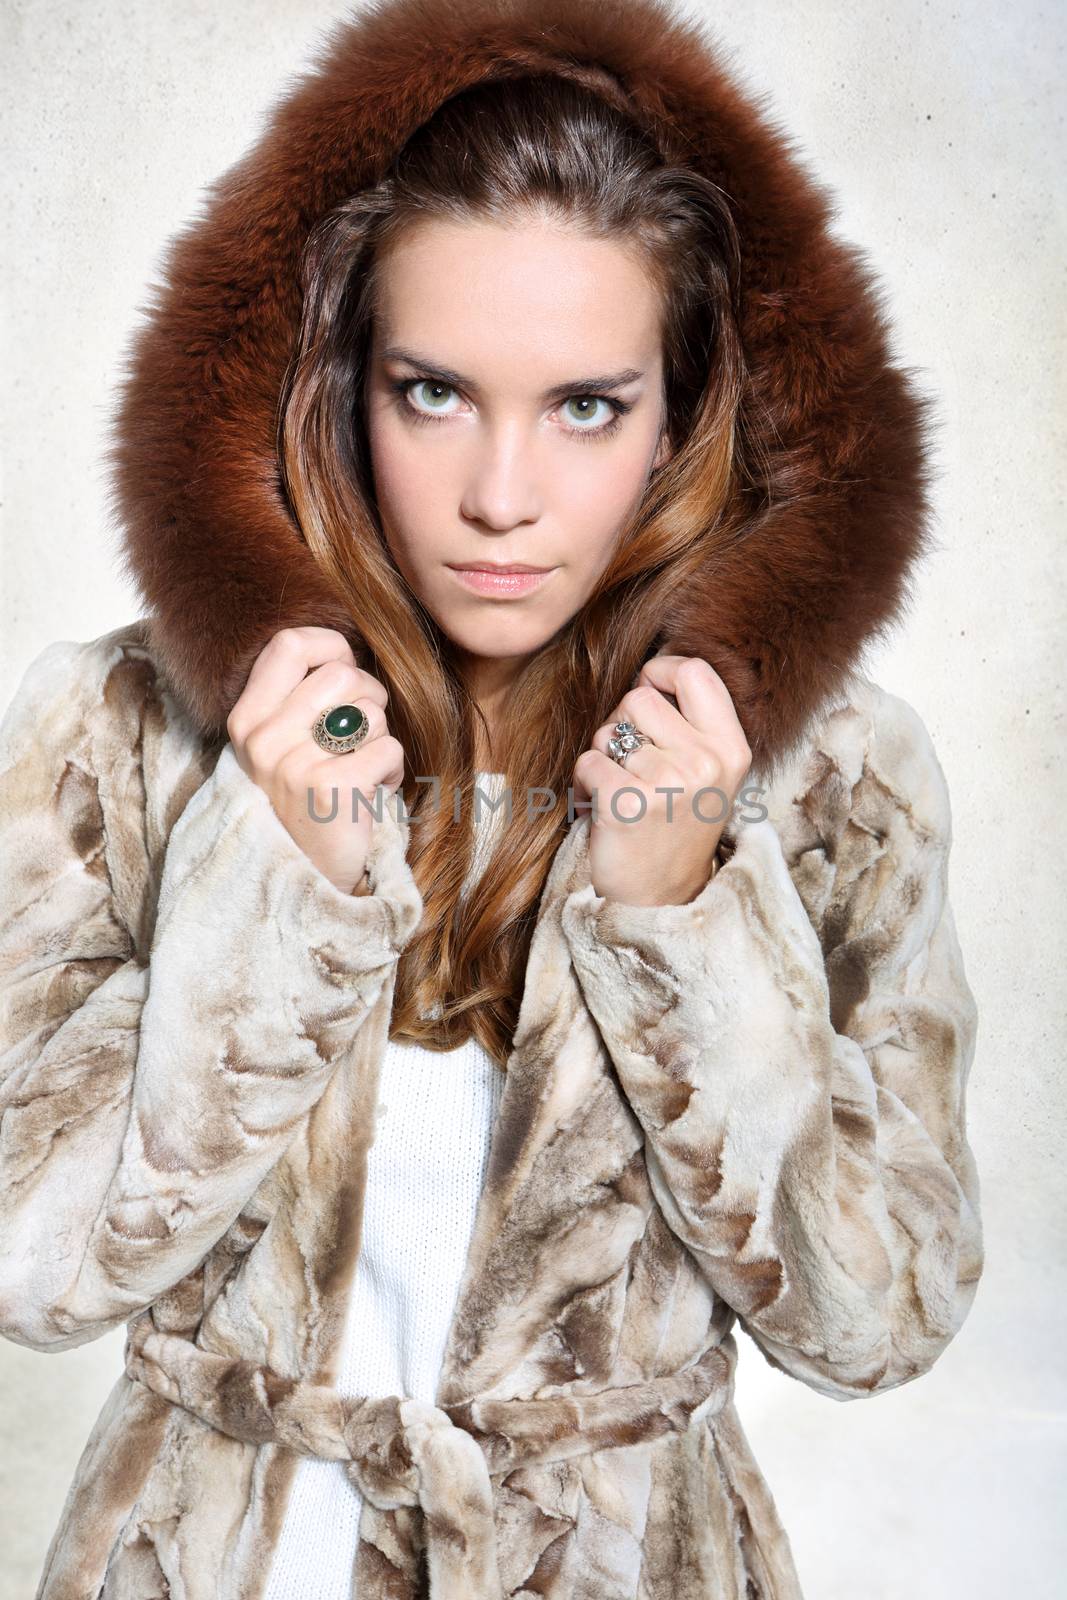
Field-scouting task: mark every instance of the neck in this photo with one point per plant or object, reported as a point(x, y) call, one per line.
point(489, 680)
point(484, 758)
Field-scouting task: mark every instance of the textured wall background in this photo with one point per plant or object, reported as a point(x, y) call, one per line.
point(939, 129)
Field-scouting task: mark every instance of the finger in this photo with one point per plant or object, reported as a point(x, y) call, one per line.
point(601, 774)
point(283, 663)
point(292, 725)
point(376, 761)
point(653, 716)
point(581, 793)
point(335, 683)
point(703, 698)
point(641, 763)
point(651, 712)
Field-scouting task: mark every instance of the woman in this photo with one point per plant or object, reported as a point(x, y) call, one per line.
point(254, 1040)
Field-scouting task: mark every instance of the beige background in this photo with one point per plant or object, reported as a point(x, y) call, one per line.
point(939, 130)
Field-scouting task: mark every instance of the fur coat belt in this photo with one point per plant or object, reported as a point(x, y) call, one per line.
point(403, 1452)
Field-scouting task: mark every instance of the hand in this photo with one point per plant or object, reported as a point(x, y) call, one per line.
point(661, 857)
point(298, 674)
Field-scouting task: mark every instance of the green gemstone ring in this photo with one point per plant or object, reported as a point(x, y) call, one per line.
point(340, 729)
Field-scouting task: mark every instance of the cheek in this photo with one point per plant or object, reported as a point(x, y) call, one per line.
point(596, 494)
point(403, 491)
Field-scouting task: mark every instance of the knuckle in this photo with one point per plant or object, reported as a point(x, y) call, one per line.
point(317, 632)
point(336, 677)
point(370, 687)
point(286, 640)
point(255, 748)
point(641, 697)
point(295, 772)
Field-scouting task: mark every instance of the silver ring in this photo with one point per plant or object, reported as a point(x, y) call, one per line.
point(340, 729)
point(627, 738)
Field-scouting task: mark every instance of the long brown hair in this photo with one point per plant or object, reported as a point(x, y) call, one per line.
point(520, 145)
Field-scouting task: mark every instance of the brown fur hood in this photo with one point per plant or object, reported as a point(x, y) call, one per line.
point(838, 448)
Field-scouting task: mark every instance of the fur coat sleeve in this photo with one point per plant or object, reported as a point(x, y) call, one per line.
point(149, 1081)
point(796, 1049)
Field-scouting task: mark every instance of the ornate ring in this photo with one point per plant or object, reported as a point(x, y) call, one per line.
point(340, 729)
point(626, 738)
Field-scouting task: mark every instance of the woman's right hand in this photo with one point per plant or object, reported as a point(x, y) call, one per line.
point(300, 673)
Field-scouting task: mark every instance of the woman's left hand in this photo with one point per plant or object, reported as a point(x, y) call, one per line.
point(662, 851)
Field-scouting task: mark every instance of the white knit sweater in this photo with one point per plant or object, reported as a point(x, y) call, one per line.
point(425, 1172)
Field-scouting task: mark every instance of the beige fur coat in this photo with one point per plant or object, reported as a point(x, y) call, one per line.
point(746, 1108)
point(749, 1109)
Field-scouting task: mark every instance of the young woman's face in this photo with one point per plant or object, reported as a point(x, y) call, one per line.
point(496, 357)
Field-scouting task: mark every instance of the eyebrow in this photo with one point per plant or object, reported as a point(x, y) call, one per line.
point(559, 391)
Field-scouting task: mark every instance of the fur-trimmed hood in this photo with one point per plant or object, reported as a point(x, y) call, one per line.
point(829, 545)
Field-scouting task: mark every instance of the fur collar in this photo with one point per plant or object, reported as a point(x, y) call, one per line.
point(825, 560)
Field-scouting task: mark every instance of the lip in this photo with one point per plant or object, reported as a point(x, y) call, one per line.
point(504, 581)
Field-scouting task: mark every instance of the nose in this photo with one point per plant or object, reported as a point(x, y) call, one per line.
point(502, 487)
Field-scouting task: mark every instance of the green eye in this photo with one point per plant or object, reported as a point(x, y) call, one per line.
point(429, 384)
point(584, 406)
point(434, 396)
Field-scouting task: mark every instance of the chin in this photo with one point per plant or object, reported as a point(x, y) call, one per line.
point(506, 639)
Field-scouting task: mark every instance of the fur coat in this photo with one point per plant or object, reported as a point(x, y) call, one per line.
point(745, 1110)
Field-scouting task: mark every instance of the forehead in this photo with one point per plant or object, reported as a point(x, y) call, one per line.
point(484, 296)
